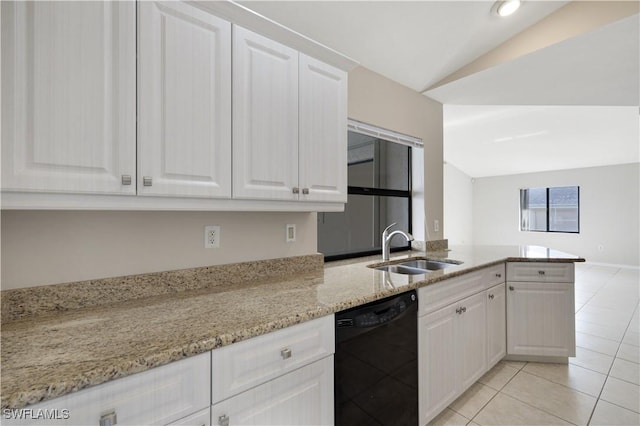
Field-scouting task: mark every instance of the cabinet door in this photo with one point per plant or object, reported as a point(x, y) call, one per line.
point(302, 397)
point(437, 356)
point(154, 397)
point(540, 319)
point(184, 102)
point(496, 325)
point(323, 131)
point(472, 339)
point(68, 97)
point(265, 118)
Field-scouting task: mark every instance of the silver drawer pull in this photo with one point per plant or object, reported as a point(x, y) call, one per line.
point(498, 275)
point(126, 179)
point(491, 296)
point(147, 181)
point(296, 190)
point(511, 288)
point(109, 419)
point(285, 353)
point(305, 191)
point(541, 272)
point(223, 420)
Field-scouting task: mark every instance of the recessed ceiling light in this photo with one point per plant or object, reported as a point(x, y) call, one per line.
point(505, 7)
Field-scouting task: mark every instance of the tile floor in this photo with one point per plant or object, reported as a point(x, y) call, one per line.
point(600, 386)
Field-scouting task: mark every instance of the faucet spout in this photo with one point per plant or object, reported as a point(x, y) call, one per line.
point(386, 240)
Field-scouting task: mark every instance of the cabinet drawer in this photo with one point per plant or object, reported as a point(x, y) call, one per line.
point(540, 272)
point(154, 397)
point(494, 275)
point(243, 365)
point(201, 418)
point(436, 296)
point(301, 397)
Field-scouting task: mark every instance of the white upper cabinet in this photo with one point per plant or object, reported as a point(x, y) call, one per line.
point(184, 101)
point(68, 97)
point(323, 131)
point(265, 118)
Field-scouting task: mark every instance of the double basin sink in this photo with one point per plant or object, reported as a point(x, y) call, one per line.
point(417, 266)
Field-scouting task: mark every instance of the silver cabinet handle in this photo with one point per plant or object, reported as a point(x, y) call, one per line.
point(498, 275)
point(511, 288)
point(296, 190)
point(459, 311)
point(285, 353)
point(305, 191)
point(109, 419)
point(541, 272)
point(126, 179)
point(223, 420)
point(147, 181)
point(464, 309)
point(491, 296)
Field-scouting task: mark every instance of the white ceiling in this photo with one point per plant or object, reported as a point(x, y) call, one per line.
point(502, 121)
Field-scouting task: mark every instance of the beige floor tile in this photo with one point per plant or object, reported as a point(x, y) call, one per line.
point(611, 333)
point(622, 393)
point(632, 338)
point(514, 364)
point(472, 401)
point(607, 414)
point(597, 344)
point(449, 418)
point(592, 360)
point(572, 376)
point(629, 353)
point(505, 410)
point(626, 370)
point(559, 400)
point(499, 375)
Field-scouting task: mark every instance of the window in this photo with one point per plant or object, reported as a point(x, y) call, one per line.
point(379, 194)
point(550, 209)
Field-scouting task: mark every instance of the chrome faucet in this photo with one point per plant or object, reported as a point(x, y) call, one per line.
point(386, 239)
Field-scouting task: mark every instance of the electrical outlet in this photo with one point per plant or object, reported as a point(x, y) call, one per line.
point(212, 236)
point(291, 233)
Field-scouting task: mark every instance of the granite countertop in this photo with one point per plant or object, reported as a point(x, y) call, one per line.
point(54, 353)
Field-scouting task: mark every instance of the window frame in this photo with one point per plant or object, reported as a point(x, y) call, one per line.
point(548, 209)
point(370, 191)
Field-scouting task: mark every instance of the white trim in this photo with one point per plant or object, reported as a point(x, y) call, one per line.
point(47, 201)
point(388, 135)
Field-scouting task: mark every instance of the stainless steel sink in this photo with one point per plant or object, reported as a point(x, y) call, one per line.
point(417, 266)
point(401, 269)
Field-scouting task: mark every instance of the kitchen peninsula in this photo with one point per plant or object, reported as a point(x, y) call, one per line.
point(60, 339)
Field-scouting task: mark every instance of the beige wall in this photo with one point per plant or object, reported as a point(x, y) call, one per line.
point(49, 247)
point(609, 212)
point(376, 100)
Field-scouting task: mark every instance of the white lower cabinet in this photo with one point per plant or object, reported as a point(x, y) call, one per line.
point(452, 353)
point(280, 378)
point(540, 310)
point(155, 397)
point(302, 397)
point(201, 418)
point(459, 342)
point(496, 325)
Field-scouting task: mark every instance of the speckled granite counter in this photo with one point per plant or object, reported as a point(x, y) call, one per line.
point(49, 355)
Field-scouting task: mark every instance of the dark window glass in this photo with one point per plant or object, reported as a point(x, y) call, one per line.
point(550, 209)
point(379, 195)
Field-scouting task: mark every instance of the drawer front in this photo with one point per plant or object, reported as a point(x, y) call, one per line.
point(201, 418)
point(238, 367)
point(154, 397)
point(436, 296)
point(301, 397)
point(494, 275)
point(540, 272)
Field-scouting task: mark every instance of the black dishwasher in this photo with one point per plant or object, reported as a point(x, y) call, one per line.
point(376, 363)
